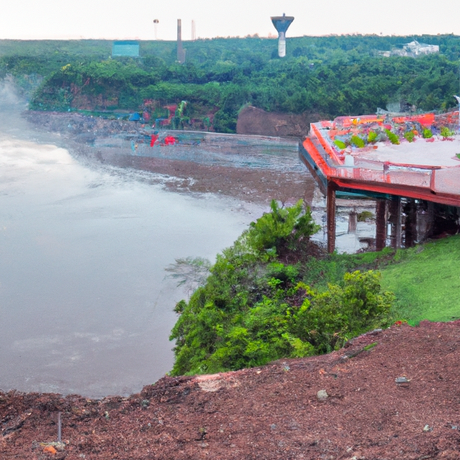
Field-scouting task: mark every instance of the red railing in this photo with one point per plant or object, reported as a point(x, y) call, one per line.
point(432, 183)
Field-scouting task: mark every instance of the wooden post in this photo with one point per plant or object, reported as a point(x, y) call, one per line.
point(331, 188)
point(380, 217)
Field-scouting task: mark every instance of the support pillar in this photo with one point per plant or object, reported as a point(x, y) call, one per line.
point(410, 230)
point(380, 217)
point(395, 219)
point(352, 221)
point(425, 220)
point(331, 189)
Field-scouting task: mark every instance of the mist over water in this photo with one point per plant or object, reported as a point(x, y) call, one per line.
point(85, 304)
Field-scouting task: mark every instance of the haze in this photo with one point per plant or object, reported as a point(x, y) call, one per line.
point(98, 19)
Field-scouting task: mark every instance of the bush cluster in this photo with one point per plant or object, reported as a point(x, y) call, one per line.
point(253, 309)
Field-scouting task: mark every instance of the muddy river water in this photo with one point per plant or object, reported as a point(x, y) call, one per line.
point(85, 302)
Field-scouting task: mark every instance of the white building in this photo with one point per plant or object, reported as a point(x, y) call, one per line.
point(412, 49)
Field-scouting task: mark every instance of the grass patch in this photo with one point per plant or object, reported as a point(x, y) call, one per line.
point(370, 346)
point(426, 281)
point(318, 272)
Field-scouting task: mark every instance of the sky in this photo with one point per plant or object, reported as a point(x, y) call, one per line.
point(121, 20)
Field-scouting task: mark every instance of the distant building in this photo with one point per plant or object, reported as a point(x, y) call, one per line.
point(125, 48)
point(417, 48)
point(412, 49)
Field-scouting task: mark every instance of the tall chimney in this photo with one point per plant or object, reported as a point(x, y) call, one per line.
point(180, 49)
point(193, 30)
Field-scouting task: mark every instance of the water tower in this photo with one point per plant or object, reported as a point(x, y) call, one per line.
point(282, 24)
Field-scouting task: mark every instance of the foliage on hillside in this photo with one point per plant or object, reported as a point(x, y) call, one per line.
point(336, 75)
point(254, 309)
point(426, 281)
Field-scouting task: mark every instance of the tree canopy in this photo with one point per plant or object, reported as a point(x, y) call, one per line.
point(330, 76)
point(254, 309)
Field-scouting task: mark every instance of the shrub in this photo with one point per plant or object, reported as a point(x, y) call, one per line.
point(409, 136)
point(253, 310)
point(340, 144)
point(446, 132)
point(357, 141)
point(372, 137)
point(392, 137)
point(365, 215)
point(342, 312)
point(427, 134)
point(282, 226)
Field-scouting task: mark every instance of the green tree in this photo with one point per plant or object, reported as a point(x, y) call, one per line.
point(254, 309)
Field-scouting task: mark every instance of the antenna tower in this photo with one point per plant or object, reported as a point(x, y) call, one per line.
point(155, 28)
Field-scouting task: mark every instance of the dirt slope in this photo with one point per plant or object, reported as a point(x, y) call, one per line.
point(271, 412)
point(252, 120)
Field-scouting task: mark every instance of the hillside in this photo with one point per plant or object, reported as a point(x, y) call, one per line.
point(266, 413)
point(320, 77)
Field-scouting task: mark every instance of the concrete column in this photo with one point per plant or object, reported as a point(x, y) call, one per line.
point(410, 224)
point(380, 218)
point(352, 221)
point(395, 220)
point(331, 189)
point(425, 220)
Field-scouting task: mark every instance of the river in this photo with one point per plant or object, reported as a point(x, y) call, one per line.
point(86, 304)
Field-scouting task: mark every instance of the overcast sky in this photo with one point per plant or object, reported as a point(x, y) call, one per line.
point(123, 19)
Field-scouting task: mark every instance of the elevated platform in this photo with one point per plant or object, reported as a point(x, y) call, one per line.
point(381, 156)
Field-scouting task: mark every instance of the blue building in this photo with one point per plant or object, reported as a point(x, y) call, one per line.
point(125, 48)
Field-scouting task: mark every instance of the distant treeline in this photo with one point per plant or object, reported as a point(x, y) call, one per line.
point(331, 76)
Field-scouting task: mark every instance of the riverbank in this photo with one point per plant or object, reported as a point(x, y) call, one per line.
point(92, 139)
point(390, 394)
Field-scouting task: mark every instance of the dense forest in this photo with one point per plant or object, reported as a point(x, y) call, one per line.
point(329, 76)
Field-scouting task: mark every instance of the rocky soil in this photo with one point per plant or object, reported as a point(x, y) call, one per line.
point(390, 394)
point(252, 120)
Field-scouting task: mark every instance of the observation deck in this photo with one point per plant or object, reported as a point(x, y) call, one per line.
point(414, 157)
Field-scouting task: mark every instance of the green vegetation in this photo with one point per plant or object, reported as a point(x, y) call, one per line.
point(427, 133)
point(446, 132)
point(357, 141)
point(365, 215)
point(426, 281)
point(340, 144)
point(254, 308)
point(372, 137)
point(392, 137)
point(327, 76)
point(409, 136)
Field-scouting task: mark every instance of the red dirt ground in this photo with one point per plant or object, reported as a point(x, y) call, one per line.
point(271, 412)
